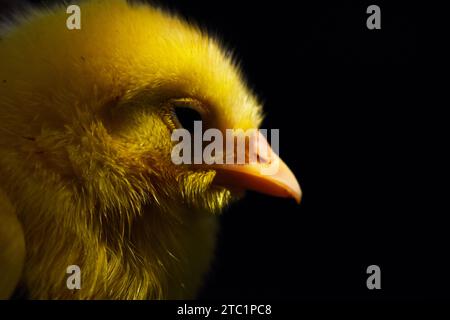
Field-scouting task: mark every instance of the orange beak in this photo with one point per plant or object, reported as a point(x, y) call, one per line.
point(270, 175)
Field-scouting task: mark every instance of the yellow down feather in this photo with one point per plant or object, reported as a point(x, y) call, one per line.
point(85, 149)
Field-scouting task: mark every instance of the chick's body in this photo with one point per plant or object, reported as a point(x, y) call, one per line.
point(85, 149)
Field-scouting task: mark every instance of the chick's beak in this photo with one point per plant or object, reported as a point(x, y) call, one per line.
point(270, 175)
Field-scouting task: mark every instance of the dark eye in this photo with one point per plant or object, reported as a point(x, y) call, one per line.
point(186, 117)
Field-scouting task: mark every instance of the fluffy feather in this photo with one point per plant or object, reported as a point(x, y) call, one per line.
point(85, 148)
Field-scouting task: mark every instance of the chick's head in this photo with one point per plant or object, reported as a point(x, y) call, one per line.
point(106, 94)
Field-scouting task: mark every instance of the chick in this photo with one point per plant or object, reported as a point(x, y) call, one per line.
point(85, 152)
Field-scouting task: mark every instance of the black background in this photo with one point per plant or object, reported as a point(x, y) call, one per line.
point(348, 105)
point(347, 102)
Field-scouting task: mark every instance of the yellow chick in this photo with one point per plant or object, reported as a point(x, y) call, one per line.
point(86, 175)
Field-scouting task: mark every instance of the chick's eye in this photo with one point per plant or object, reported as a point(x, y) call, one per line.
point(186, 117)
